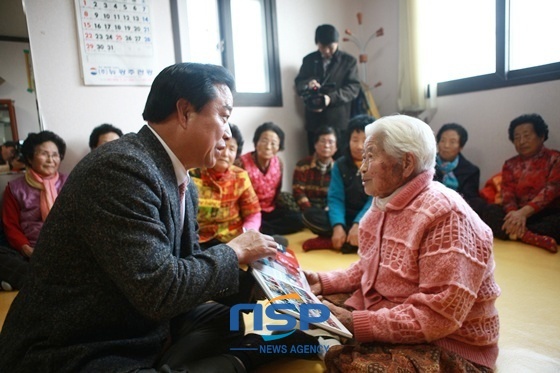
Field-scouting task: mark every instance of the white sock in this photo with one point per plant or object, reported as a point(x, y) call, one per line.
point(326, 341)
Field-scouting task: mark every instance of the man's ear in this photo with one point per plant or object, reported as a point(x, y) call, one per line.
point(184, 112)
point(409, 165)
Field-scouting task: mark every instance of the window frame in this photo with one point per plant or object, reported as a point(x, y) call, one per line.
point(503, 77)
point(272, 98)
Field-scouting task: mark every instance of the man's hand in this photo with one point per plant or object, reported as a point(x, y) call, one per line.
point(314, 282)
point(342, 314)
point(252, 245)
point(327, 100)
point(313, 84)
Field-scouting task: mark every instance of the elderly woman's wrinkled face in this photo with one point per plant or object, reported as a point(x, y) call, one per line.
point(382, 174)
point(325, 147)
point(46, 159)
point(449, 145)
point(268, 145)
point(227, 156)
point(526, 141)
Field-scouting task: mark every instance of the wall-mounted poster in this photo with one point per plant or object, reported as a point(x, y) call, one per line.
point(116, 43)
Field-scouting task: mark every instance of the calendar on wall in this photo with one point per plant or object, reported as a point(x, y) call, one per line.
point(116, 43)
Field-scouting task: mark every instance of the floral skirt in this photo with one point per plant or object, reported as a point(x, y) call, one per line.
point(390, 358)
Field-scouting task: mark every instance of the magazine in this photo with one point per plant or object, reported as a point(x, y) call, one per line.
point(283, 277)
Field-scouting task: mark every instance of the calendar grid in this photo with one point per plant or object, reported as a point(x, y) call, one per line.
point(116, 42)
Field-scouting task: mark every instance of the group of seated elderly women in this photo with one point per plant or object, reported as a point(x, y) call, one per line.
point(385, 181)
point(412, 298)
point(530, 182)
point(243, 191)
point(28, 199)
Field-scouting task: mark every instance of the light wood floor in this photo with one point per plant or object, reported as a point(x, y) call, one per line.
point(529, 306)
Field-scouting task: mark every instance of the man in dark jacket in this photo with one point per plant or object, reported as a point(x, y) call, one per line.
point(118, 282)
point(328, 81)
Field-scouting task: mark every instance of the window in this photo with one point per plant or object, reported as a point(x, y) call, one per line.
point(238, 34)
point(480, 44)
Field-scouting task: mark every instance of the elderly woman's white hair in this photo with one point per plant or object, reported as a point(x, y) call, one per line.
point(400, 134)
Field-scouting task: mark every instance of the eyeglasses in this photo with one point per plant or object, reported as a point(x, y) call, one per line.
point(327, 142)
point(45, 154)
point(266, 143)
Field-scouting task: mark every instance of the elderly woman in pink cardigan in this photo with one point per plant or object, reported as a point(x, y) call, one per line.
point(423, 291)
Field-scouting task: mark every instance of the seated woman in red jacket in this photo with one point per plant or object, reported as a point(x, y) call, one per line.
point(265, 169)
point(28, 200)
point(530, 210)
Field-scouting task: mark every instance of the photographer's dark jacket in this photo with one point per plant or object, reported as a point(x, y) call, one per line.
point(343, 72)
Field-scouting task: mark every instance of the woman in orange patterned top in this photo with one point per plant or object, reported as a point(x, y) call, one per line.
point(422, 292)
point(530, 210)
point(227, 202)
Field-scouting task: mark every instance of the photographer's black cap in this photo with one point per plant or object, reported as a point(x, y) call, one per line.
point(326, 34)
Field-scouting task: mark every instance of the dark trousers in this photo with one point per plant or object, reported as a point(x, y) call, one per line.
point(13, 267)
point(200, 342)
point(281, 221)
point(545, 222)
point(317, 221)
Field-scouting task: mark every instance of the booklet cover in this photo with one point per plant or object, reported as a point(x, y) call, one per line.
point(282, 277)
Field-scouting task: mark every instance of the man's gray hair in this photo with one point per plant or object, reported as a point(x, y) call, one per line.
point(400, 134)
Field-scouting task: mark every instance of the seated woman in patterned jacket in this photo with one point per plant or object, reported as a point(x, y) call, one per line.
point(227, 202)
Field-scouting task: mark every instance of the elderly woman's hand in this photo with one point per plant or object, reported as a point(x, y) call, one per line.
point(342, 314)
point(338, 237)
point(352, 238)
point(515, 221)
point(314, 282)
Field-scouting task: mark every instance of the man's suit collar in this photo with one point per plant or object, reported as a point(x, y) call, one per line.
point(163, 163)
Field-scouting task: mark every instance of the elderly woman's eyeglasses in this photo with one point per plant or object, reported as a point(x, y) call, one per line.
point(46, 155)
point(266, 143)
point(327, 142)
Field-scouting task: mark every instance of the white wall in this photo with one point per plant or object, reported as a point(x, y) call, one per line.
point(13, 70)
point(297, 21)
point(71, 109)
point(486, 114)
point(67, 107)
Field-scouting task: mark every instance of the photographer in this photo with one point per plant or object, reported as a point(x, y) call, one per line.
point(328, 82)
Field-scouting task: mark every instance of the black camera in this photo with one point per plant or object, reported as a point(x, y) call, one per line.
point(314, 98)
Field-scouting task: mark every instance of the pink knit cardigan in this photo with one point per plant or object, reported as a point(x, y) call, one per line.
point(425, 274)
